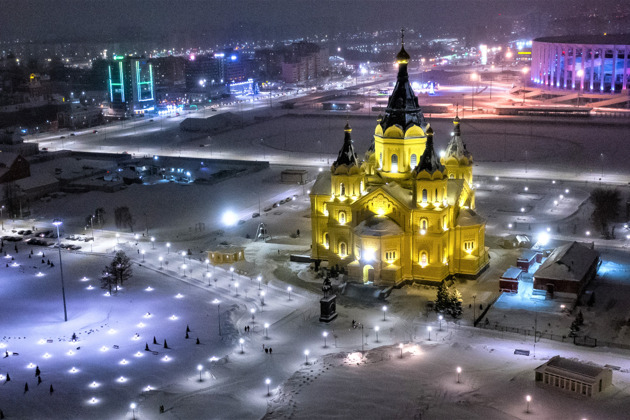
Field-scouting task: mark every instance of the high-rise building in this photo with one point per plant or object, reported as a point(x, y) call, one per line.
point(130, 84)
point(403, 214)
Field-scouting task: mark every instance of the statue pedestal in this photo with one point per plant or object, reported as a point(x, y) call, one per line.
point(328, 308)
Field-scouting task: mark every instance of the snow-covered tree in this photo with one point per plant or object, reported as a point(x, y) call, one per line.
point(442, 300)
point(123, 218)
point(117, 272)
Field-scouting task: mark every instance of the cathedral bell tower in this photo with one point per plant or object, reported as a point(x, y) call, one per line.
point(400, 137)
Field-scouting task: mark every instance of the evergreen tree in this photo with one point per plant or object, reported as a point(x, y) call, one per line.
point(442, 300)
point(606, 210)
point(579, 318)
point(454, 303)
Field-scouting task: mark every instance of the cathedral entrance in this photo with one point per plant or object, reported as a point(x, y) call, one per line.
point(368, 274)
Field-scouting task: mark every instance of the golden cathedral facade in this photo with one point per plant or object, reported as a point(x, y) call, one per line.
point(402, 214)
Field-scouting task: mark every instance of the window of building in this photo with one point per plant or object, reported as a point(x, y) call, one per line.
point(469, 246)
point(425, 196)
point(325, 209)
point(343, 249)
point(326, 240)
point(380, 160)
point(342, 189)
point(424, 258)
point(390, 255)
point(394, 167)
point(361, 187)
point(451, 176)
point(424, 223)
point(342, 217)
point(414, 160)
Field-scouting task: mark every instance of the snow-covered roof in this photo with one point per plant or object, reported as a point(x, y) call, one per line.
point(454, 189)
point(322, 184)
point(568, 262)
point(512, 273)
point(527, 255)
point(378, 226)
point(567, 367)
point(401, 194)
point(7, 159)
point(468, 217)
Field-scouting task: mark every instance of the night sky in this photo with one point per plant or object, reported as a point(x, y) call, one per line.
point(212, 20)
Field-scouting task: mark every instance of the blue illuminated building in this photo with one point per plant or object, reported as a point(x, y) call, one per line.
point(131, 87)
point(587, 63)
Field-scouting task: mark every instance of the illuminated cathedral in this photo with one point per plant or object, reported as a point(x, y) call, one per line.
point(401, 214)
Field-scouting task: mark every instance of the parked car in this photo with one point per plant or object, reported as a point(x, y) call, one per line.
point(255, 215)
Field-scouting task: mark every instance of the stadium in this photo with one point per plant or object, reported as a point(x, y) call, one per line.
point(583, 63)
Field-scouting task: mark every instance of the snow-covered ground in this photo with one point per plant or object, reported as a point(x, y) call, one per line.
point(422, 383)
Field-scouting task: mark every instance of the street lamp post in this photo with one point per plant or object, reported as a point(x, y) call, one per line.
point(152, 242)
point(266, 330)
point(459, 371)
point(325, 334)
point(376, 330)
point(2, 216)
point(262, 300)
point(528, 399)
point(241, 341)
point(289, 290)
point(440, 318)
point(429, 331)
point(236, 289)
point(133, 410)
point(209, 275)
point(253, 312)
point(259, 278)
point(161, 261)
point(57, 222)
point(306, 353)
point(268, 381)
point(199, 368)
point(232, 271)
point(142, 252)
point(400, 346)
point(474, 311)
point(218, 303)
point(384, 310)
point(168, 247)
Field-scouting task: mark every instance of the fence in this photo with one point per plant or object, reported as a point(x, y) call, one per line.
point(578, 341)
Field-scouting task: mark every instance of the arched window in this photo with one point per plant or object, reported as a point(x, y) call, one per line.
point(424, 224)
point(424, 258)
point(451, 176)
point(342, 189)
point(343, 250)
point(424, 196)
point(394, 167)
point(326, 240)
point(414, 161)
point(342, 217)
point(380, 160)
point(325, 209)
point(436, 195)
point(361, 187)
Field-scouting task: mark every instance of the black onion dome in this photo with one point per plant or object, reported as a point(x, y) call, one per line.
point(346, 156)
point(402, 108)
point(429, 161)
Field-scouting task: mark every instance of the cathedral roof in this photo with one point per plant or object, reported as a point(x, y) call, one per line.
point(456, 147)
point(402, 109)
point(378, 226)
point(429, 162)
point(346, 156)
point(468, 217)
